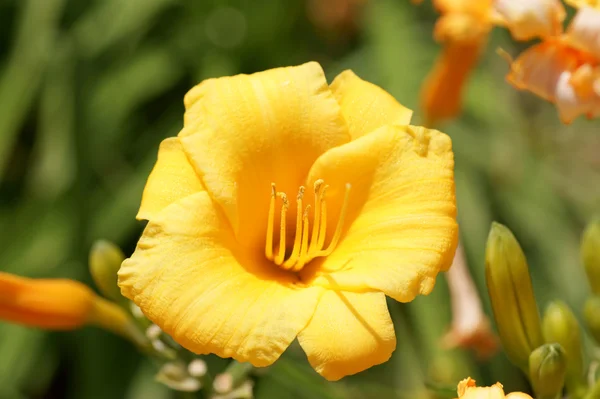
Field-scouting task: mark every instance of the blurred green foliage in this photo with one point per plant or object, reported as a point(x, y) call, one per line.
point(88, 89)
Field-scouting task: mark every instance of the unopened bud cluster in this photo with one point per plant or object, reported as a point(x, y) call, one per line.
point(548, 350)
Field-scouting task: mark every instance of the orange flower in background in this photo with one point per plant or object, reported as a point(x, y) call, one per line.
point(467, 389)
point(58, 304)
point(289, 208)
point(565, 69)
point(462, 29)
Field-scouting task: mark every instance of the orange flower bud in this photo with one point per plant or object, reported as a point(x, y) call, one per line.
point(462, 29)
point(441, 96)
point(57, 304)
point(61, 304)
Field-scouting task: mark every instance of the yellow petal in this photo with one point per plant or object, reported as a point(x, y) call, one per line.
point(366, 107)
point(584, 31)
point(463, 385)
point(189, 275)
point(172, 178)
point(530, 19)
point(468, 390)
point(259, 129)
point(493, 392)
point(348, 333)
point(401, 227)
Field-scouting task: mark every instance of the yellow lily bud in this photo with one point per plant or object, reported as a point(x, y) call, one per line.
point(591, 315)
point(511, 295)
point(547, 370)
point(590, 254)
point(105, 260)
point(560, 325)
point(60, 304)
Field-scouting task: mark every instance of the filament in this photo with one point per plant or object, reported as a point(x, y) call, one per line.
point(307, 244)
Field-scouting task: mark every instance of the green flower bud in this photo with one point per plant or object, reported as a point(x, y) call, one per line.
point(547, 369)
point(511, 294)
point(105, 261)
point(560, 325)
point(590, 254)
point(591, 315)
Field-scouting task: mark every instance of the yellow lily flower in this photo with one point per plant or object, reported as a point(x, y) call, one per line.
point(463, 29)
point(57, 304)
point(565, 69)
point(287, 207)
point(468, 390)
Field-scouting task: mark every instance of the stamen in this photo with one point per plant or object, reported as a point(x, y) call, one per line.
point(304, 249)
point(316, 224)
point(269, 240)
point(323, 226)
point(298, 236)
point(340, 224)
point(281, 253)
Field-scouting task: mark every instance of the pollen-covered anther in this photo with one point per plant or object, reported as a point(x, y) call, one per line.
point(307, 244)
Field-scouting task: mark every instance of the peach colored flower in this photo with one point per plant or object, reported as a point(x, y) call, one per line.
point(565, 69)
point(462, 29)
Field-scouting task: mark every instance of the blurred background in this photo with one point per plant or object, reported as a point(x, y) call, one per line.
point(88, 89)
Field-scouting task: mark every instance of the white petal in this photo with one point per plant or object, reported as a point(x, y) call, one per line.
point(529, 19)
point(584, 31)
point(569, 104)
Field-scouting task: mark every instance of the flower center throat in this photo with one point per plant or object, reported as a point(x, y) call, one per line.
point(307, 244)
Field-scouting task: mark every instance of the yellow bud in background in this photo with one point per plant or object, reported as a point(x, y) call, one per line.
point(511, 294)
point(105, 260)
point(559, 325)
point(590, 254)
point(547, 370)
point(591, 315)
